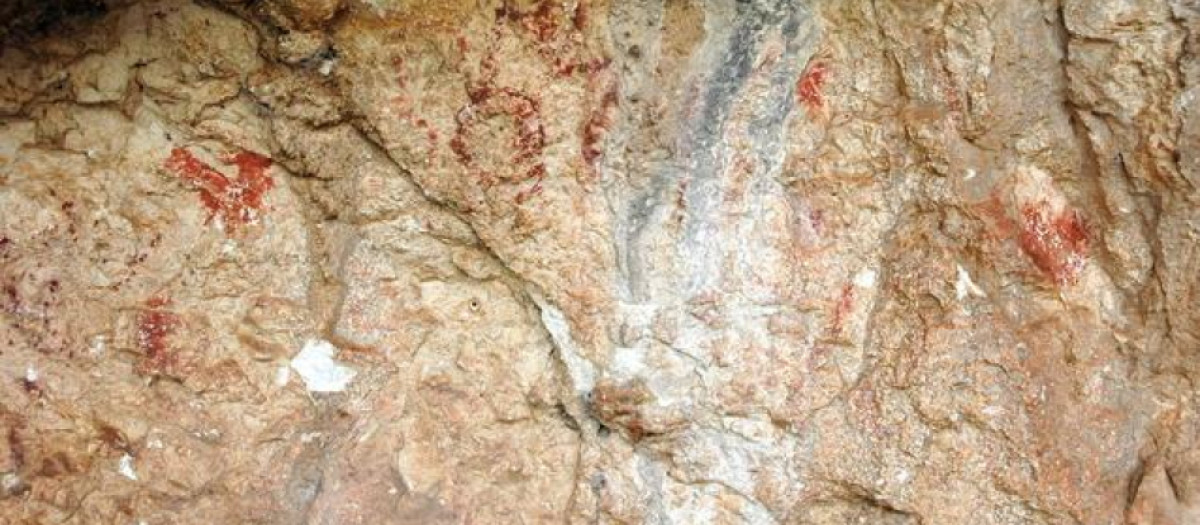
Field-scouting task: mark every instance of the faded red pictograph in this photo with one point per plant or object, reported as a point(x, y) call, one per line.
point(235, 203)
point(810, 84)
point(405, 105)
point(541, 20)
point(155, 326)
point(597, 126)
point(526, 141)
point(498, 113)
point(1057, 242)
point(843, 309)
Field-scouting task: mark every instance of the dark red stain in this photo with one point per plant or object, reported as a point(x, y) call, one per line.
point(404, 105)
point(236, 202)
point(57, 464)
point(580, 19)
point(538, 175)
point(154, 330)
point(33, 388)
point(113, 438)
point(541, 20)
point(844, 305)
point(597, 126)
point(12, 301)
point(16, 447)
point(33, 302)
point(816, 218)
point(565, 67)
point(557, 39)
point(808, 88)
point(527, 143)
point(557, 43)
point(1057, 244)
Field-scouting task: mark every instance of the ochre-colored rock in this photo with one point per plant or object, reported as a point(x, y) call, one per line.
point(594, 261)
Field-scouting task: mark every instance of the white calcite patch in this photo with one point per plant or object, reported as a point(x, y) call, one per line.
point(125, 467)
point(865, 278)
point(282, 375)
point(581, 370)
point(628, 362)
point(964, 286)
point(317, 368)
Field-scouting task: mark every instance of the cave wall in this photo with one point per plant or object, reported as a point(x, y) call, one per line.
point(586, 261)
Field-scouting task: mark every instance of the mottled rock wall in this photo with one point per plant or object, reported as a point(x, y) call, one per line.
point(587, 261)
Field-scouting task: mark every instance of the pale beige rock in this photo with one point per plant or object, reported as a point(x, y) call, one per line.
point(672, 261)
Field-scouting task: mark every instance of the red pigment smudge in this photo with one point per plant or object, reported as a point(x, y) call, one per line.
point(994, 211)
point(487, 102)
point(155, 327)
point(1057, 244)
point(32, 387)
point(12, 304)
point(808, 88)
point(16, 446)
point(597, 125)
point(536, 189)
point(558, 44)
point(542, 21)
point(459, 146)
point(845, 303)
point(564, 68)
point(235, 202)
point(580, 19)
point(816, 218)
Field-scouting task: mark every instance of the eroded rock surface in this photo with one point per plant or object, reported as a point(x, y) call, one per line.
point(587, 261)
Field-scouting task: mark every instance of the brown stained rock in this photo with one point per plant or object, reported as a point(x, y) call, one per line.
point(599, 262)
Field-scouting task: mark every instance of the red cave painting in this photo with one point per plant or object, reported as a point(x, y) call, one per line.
point(597, 126)
point(404, 104)
point(808, 87)
point(528, 136)
point(557, 39)
point(505, 117)
point(842, 311)
point(557, 44)
point(155, 327)
point(541, 20)
point(235, 203)
point(1056, 242)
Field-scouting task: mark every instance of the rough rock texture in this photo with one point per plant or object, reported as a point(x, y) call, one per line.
point(587, 261)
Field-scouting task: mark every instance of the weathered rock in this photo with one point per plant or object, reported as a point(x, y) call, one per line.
point(588, 261)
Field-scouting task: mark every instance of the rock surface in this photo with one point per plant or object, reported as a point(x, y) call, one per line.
point(588, 261)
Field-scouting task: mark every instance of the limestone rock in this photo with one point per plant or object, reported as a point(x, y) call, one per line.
point(591, 261)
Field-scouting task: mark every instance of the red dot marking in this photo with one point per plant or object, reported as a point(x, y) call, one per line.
point(808, 88)
point(155, 327)
point(1057, 244)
